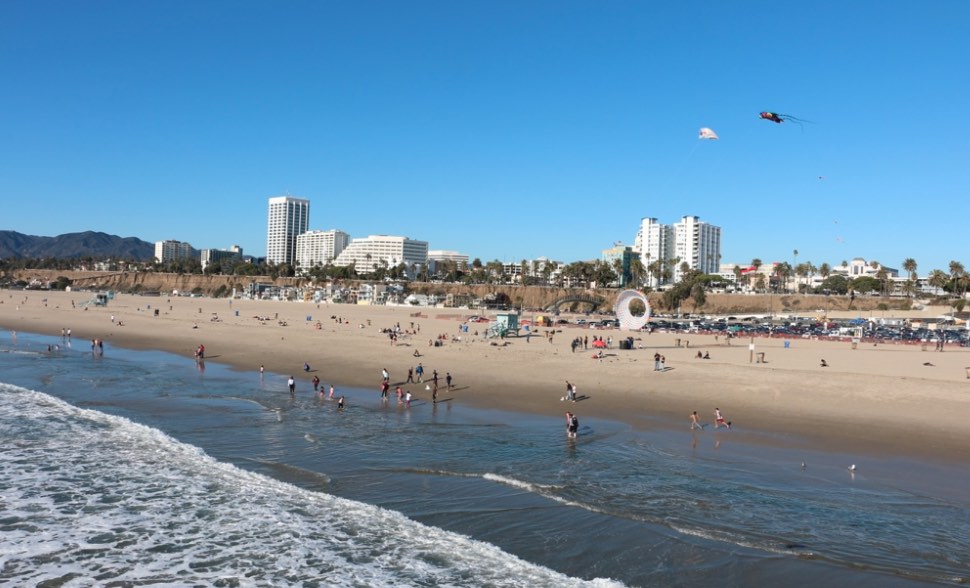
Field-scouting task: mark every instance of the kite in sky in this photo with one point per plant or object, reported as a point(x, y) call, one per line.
point(780, 118)
point(706, 133)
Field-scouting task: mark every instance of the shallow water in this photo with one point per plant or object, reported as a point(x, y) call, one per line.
point(169, 473)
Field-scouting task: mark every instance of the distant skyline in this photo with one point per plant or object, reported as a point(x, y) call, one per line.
point(503, 130)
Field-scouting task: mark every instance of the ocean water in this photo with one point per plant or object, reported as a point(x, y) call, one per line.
point(137, 468)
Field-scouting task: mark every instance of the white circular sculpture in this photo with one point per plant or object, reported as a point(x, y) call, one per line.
point(628, 322)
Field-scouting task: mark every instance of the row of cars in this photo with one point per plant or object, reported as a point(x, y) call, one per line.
point(815, 329)
point(779, 328)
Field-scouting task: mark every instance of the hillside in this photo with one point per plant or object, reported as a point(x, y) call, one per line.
point(75, 246)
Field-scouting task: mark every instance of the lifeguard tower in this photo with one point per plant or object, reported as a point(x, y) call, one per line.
point(100, 299)
point(504, 325)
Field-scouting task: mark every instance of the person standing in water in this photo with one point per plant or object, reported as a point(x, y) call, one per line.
point(572, 425)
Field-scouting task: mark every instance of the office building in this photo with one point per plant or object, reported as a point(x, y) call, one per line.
point(216, 256)
point(369, 253)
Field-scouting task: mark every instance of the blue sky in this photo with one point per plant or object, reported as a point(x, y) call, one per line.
point(505, 129)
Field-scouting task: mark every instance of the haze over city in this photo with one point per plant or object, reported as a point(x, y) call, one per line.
point(502, 130)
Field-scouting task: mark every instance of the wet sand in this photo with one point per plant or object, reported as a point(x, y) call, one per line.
point(884, 399)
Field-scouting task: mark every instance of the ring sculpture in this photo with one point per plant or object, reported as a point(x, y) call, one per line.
point(628, 322)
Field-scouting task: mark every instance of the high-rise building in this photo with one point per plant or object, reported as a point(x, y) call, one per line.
point(319, 248)
point(375, 251)
point(288, 217)
point(664, 248)
point(698, 244)
point(655, 244)
point(166, 251)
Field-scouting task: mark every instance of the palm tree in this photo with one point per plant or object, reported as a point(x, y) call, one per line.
point(801, 270)
point(959, 277)
point(637, 271)
point(824, 270)
point(737, 275)
point(909, 264)
point(756, 263)
point(937, 279)
point(883, 276)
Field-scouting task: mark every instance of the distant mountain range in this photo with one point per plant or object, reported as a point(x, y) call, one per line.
point(75, 245)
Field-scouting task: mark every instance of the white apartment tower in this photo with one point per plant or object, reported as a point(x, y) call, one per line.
point(288, 217)
point(375, 251)
point(166, 251)
point(655, 243)
point(698, 244)
point(319, 248)
point(692, 241)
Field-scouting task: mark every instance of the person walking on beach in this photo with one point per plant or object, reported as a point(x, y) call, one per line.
point(695, 422)
point(410, 379)
point(572, 425)
point(316, 383)
point(719, 419)
point(291, 384)
point(420, 372)
point(386, 375)
point(448, 380)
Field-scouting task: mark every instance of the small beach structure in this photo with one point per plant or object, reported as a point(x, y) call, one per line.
point(504, 325)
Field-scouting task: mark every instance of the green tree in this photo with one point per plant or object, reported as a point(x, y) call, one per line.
point(834, 284)
point(637, 271)
point(937, 279)
point(909, 264)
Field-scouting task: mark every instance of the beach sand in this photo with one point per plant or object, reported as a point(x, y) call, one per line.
point(881, 399)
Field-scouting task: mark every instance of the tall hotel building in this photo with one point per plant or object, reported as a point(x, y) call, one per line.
point(692, 241)
point(288, 217)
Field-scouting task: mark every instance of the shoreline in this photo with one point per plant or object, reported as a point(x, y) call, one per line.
point(881, 400)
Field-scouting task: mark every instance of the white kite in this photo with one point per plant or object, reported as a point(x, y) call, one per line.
point(706, 133)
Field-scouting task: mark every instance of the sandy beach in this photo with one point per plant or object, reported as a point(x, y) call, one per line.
point(882, 399)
